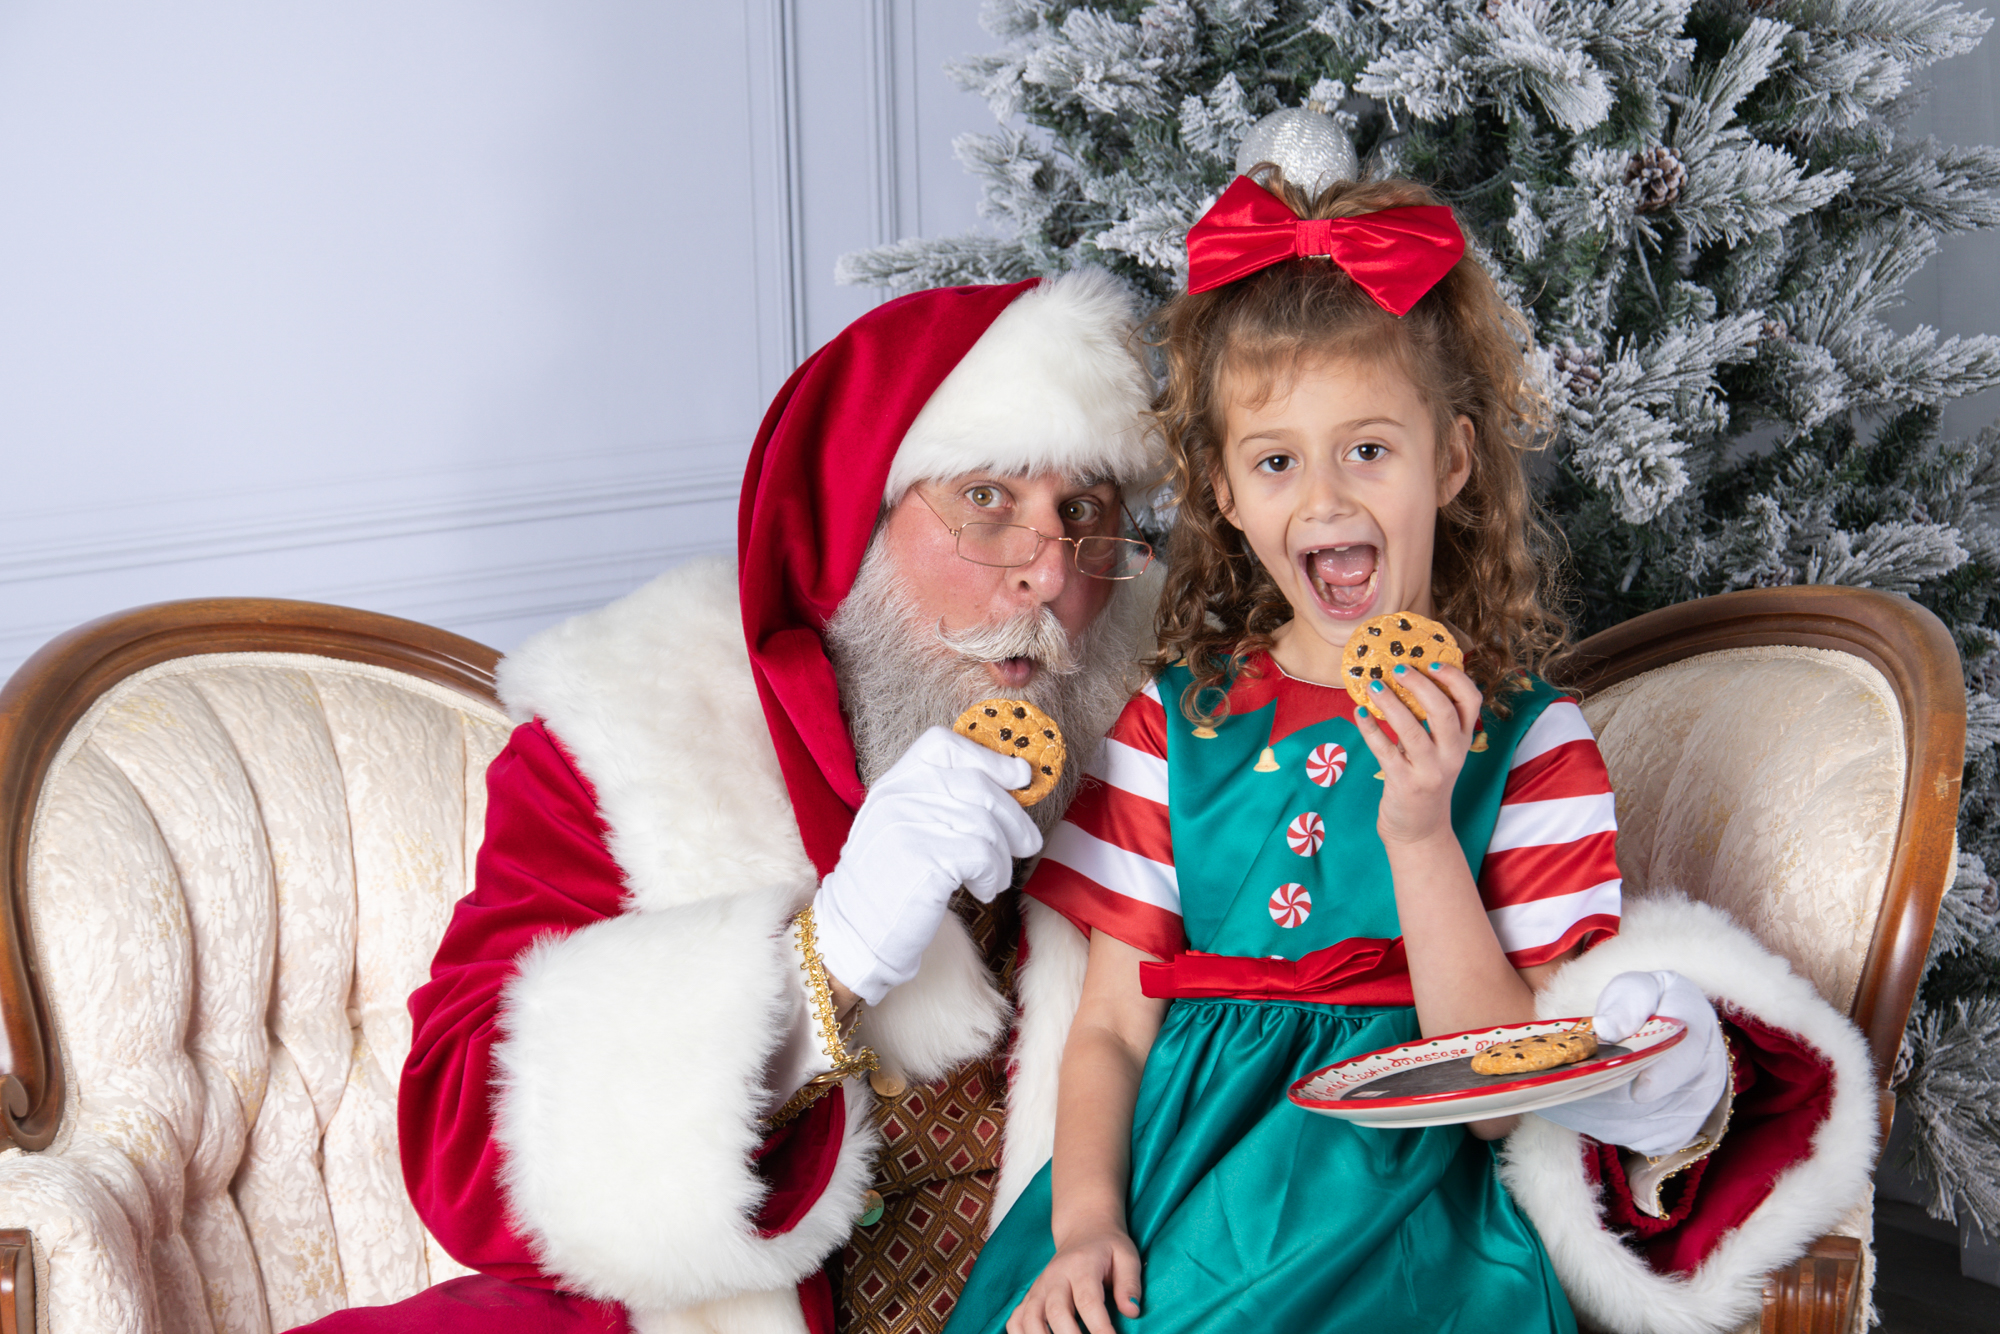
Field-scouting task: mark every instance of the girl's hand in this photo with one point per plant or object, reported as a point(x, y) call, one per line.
point(1420, 768)
point(1073, 1285)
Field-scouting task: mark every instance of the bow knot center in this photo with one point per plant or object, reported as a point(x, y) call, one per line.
point(1315, 236)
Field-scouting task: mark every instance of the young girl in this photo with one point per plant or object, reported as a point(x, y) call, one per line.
point(1274, 879)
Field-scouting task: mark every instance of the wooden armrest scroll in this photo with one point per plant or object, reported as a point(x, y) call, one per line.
point(1817, 1293)
point(17, 1282)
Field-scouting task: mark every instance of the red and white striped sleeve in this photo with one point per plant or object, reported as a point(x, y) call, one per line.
point(1109, 866)
point(1550, 878)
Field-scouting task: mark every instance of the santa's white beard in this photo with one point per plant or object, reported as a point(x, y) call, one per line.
point(899, 676)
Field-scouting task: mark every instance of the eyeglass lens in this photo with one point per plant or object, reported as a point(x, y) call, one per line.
point(1011, 544)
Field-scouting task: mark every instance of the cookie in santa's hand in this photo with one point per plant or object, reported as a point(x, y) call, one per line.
point(1380, 644)
point(1016, 727)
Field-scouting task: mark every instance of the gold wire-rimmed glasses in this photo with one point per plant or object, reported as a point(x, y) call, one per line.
point(1008, 546)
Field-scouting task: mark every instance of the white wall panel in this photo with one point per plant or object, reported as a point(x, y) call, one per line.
point(464, 310)
point(879, 117)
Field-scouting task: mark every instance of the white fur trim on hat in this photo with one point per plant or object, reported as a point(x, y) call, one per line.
point(1052, 385)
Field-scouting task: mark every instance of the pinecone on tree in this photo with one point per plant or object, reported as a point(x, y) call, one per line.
point(1578, 369)
point(1657, 176)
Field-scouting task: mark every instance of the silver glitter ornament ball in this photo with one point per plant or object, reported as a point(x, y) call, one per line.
point(1303, 142)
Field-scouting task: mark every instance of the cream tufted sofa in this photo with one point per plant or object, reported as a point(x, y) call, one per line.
point(231, 833)
point(237, 868)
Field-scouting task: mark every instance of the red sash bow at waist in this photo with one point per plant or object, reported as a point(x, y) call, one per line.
point(1354, 972)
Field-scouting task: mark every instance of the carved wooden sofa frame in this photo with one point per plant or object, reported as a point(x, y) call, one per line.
point(57, 687)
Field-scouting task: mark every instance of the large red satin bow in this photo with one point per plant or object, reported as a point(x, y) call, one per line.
point(1395, 254)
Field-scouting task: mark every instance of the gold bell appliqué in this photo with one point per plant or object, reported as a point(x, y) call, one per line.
point(1267, 763)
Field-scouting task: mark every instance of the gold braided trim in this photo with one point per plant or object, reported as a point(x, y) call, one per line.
point(1706, 1141)
point(819, 991)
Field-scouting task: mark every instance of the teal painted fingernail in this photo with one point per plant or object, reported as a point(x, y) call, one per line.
point(1400, 669)
point(1361, 710)
point(1436, 665)
point(1375, 686)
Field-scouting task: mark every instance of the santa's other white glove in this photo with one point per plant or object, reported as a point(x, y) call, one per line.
point(1664, 1106)
point(941, 817)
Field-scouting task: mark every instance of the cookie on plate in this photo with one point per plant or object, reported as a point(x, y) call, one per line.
point(1399, 638)
point(1016, 727)
point(1544, 1051)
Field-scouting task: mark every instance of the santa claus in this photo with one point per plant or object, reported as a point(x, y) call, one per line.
point(742, 1031)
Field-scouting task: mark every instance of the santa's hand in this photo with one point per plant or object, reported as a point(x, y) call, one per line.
point(1663, 1107)
point(940, 818)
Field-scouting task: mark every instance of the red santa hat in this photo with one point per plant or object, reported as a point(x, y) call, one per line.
point(1025, 378)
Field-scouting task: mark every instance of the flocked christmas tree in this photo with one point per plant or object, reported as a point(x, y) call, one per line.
point(1705, 210)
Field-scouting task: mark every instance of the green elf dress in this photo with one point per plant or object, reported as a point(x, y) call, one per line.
point(1245, 858)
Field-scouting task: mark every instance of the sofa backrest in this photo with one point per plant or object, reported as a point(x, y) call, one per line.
point(1793, 756)
point(1767, 782)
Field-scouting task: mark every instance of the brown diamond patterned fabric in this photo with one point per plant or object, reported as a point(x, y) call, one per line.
point(940, 1154)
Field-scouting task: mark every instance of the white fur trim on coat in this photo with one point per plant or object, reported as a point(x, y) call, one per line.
point(652, 696)
point(946, 1015)
point(1050, 984)
point(632, 1072)
point(1542, 1162)
point(627, 1042)
point(1051, 385)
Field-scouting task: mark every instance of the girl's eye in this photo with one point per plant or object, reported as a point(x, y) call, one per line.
point(1367, 453)
point(983, 497)
point(1276, 463)
point(1082, 512)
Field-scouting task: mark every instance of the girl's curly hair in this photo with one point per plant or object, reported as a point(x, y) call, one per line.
point(1462, 347)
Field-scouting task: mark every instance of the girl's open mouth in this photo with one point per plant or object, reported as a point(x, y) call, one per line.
point(1342, 578)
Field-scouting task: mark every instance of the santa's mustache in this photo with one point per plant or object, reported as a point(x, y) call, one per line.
point(1038, 635)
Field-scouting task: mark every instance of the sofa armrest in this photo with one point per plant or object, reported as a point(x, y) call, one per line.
point(17, 1281)
point(1818, 1292)
point(94, 1266)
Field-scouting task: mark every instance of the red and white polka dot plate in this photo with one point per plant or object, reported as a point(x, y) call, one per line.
point(1430, 1083)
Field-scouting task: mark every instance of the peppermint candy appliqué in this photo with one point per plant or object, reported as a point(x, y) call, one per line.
point(1291, 905)
point(1305, 834)
point(1326, 764)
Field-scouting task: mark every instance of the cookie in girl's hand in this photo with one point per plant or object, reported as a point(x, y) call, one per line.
point(1380, 644)
point(1016, 727)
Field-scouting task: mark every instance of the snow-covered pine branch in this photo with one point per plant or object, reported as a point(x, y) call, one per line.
point(952, 261)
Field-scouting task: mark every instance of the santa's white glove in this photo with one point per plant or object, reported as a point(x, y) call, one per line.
point(1663, 1107)
point(940, 818)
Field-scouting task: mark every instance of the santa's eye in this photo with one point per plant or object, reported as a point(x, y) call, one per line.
point(1082, 512)
point(985, 497)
